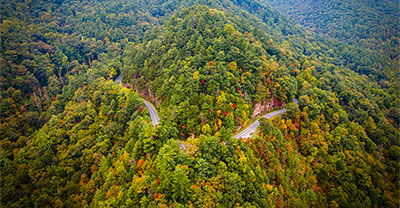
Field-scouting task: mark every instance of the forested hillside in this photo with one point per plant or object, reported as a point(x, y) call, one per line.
point(206, 72)
point(73, 137)
point(373, 24)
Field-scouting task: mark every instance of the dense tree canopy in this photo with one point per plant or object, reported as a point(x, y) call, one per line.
point(73, 137)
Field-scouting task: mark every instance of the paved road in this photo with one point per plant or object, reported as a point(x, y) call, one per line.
point(119, 79)
point(153, 113)
point(243, 134)
point(249, 130)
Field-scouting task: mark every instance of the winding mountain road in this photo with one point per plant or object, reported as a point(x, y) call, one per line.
point(153, 113)
point(246, 133)
point(119, 79)
point(249, 130)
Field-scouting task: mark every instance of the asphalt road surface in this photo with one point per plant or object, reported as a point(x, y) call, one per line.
point(153, 113)
point(250, 130)
point(119, 79)
point(243, 134)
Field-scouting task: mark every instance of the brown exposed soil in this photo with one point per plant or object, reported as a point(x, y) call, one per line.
point(261, 109)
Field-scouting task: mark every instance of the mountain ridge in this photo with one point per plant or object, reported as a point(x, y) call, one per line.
point(71, 137)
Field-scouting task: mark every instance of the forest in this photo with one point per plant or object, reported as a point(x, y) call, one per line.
point(73, 136)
